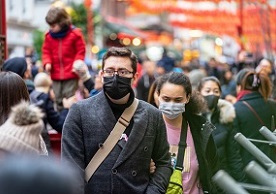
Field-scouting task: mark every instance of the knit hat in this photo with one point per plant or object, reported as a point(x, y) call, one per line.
point(17, 65)
point(20, 134)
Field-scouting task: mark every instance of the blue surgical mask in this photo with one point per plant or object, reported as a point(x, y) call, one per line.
point(171, 110)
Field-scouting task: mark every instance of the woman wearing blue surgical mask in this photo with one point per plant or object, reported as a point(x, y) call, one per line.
point(178, 104)
point(221, 113)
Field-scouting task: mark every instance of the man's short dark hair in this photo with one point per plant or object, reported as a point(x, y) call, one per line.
point(121, 52)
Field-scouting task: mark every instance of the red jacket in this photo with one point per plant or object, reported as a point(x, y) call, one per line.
point(62, 52)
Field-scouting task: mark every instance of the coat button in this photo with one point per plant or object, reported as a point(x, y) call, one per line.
point(114, 171)
point(145, 148)
point(134, 173)
point(100, 145)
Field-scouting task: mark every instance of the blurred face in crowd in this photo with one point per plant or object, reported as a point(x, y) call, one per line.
point(28, 72)
point(264, 67)
point(211, 92)
point(149, 67)
point(55, 28)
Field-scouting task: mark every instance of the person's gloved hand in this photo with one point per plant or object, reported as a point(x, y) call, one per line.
point(80, 68)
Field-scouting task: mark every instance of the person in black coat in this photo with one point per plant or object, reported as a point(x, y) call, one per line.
point(221, 113)
point(178, 104)
point(254, 90)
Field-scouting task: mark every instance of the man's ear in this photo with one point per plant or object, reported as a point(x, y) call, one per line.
point(101, 75)
point(135, 78)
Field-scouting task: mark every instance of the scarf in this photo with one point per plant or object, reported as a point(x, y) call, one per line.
point(62, 33)
point(242, 93)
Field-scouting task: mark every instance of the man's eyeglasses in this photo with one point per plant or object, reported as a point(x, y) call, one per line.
point(120, 72)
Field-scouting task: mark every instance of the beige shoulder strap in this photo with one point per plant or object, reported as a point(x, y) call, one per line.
point(111, 140)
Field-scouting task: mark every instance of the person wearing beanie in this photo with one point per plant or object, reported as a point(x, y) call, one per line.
point(20, 66)
point(20, 134)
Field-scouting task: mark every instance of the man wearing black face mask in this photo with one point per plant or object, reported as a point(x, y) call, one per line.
point(126, 168)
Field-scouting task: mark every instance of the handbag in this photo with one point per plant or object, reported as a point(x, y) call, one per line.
point(175, 184)
point(111, 140)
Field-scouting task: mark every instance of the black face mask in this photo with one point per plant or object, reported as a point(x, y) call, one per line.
point(212, 101)
point(117, 87)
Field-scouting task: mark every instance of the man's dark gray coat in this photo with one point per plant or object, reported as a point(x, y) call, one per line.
point(126, 169)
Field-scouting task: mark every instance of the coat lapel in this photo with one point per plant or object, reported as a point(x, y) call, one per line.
point(104, 112)
point(140, 122)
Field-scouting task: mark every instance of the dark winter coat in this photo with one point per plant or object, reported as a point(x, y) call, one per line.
point(126, 168)
point(228, 148)
point(205, 150)
point(247, 123)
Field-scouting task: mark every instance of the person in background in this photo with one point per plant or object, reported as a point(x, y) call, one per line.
point(145, 81)
point(43, 97)
point(253, 110)
point(32, 57)
point(153, 96)
point(178, 103)
point(12, 90)
point(221, 113)
point(228, 86)
point(30, 175)
point(98, 86)
point(126, 169)
point(166, 61)
point(265, 66)
point(20, 66)
point(62, 47)
point(20, 134)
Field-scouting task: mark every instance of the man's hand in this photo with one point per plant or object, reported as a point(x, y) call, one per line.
point(152, 166)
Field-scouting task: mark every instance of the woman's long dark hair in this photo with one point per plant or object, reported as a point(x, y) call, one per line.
point(12, 90)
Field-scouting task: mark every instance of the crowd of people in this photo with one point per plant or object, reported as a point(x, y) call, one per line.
point(114, 143)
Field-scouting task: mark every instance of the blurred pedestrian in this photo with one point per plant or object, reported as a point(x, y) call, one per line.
point(29, 175)
point(63, 46)
point(20, 66)
point(145, 81)
point(181, 108)
point(153, 96)
point(254, 109)
point(125, 169)
point(265, 66)
point(167, 62)
point(221, 113)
